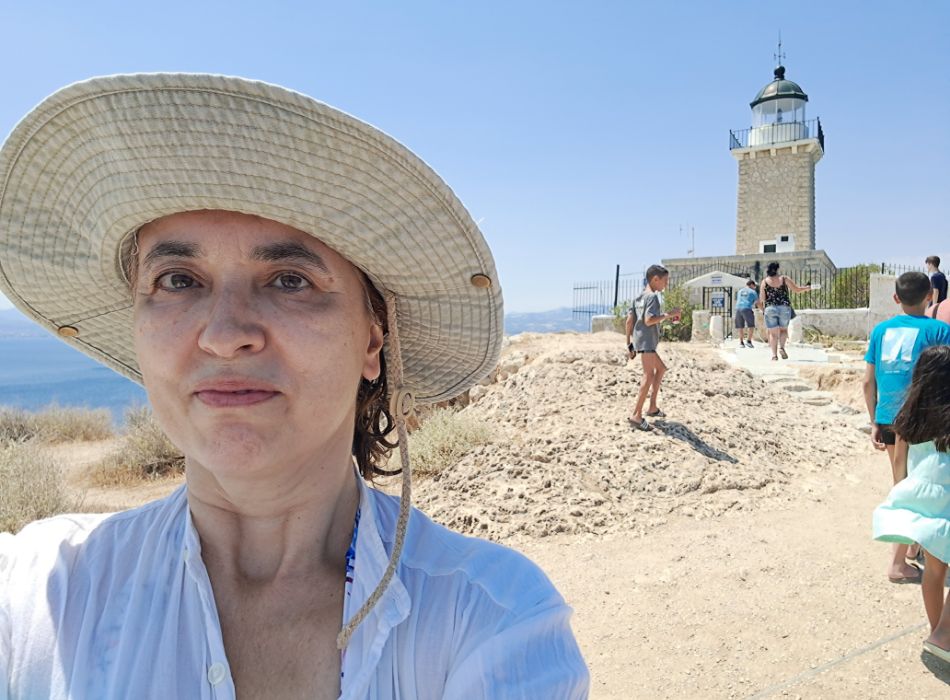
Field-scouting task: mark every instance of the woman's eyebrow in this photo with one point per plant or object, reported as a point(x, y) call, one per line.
point(289, 251)
point(172, 249)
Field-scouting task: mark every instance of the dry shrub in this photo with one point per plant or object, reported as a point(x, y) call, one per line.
point(143, 453)
point(31, 486)
point(16, 425)
point(443, 439)
point(814, 336)
point(55, 425)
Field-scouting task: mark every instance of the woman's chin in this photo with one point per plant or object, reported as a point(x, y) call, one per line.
point(235, 451)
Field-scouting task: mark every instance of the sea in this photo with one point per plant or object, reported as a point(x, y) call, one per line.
point(38, 370)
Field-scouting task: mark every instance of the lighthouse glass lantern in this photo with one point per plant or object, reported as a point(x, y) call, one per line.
point(778, 112)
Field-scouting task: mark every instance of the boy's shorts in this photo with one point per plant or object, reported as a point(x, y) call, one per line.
point(888, 436)
point(777, 316)
point(745, 318)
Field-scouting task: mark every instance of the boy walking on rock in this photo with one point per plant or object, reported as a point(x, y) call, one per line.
point(643, 323)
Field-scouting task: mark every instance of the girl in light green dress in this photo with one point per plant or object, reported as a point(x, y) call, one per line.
point(918, 507)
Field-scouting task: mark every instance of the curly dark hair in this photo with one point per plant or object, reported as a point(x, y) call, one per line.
point(373, 422)
point(925, 415)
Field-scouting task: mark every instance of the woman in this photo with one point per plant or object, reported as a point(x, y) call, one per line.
point(284, 280)
point(778, 307)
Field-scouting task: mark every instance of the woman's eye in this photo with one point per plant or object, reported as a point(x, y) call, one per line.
point(175, 280)
point(290, 282)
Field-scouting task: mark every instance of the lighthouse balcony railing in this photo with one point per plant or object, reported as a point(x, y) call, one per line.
point(777, 132)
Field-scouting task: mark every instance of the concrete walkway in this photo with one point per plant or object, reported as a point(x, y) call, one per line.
point(785, 373)
point(759, 361)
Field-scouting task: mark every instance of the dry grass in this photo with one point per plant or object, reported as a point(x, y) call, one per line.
point(32, 486)
point(443, 439)
point(143, 453)
point(836, 342)
point(55, 425)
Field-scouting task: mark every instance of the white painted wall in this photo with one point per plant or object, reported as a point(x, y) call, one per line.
point(883, 305)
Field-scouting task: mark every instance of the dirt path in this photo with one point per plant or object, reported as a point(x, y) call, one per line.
point(790, 600)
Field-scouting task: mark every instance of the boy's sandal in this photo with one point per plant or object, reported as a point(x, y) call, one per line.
point(775, 357)
point(942, 654)
point(656, 414)
point(913, 578)
point(783, 354)
point(641, 425)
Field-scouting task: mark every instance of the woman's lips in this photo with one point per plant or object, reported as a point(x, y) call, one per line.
point(217, 398)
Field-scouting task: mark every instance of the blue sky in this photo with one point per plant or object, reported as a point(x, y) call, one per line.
point(580, 135)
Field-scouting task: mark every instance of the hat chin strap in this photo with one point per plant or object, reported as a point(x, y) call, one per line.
point(400, 407)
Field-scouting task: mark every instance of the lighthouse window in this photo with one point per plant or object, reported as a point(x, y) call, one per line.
point(768, 248)
point(784, 239)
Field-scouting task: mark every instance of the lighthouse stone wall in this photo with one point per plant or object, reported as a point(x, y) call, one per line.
point(776, 195)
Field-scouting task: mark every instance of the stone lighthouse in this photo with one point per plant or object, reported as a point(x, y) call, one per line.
point(777, 157)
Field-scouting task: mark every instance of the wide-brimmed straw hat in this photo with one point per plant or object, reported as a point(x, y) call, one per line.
point(98, 159)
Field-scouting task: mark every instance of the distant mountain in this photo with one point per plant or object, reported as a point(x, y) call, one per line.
point(14, 323)
point(546, 322)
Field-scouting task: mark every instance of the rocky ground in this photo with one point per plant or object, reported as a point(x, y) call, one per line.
point(565, 460)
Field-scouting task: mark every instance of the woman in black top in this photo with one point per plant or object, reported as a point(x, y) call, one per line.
point(778, 307)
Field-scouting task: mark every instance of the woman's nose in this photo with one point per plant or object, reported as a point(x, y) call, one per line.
point(233, 326)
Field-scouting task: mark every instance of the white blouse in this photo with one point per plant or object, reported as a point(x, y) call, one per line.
point(120, 606)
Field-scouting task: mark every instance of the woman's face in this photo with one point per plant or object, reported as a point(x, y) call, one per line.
point(252, 338)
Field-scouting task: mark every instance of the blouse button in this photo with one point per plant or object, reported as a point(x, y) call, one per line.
point(216, 673)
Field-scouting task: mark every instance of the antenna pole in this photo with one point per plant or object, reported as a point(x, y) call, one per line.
point(780, 56)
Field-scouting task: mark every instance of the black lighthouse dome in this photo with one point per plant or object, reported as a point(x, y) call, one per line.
point(779, 89)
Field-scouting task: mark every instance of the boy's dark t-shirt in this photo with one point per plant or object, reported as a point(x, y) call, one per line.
point(646, 338)
point(938, 281)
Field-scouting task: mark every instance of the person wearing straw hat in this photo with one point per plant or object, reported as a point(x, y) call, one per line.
point(286, 281)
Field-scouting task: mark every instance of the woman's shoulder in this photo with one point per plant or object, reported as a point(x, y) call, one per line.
point(53, 543)
point(40, 543)
point(490, 614)
point(432, 550)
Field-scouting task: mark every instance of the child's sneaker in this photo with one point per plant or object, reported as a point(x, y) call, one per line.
point(741, 343)
point(749, 345)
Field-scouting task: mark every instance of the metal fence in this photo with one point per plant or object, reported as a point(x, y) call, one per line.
point(597, 298)
point(771, 134)
point(844, 288)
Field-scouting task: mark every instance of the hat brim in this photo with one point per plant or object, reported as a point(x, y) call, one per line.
point(98, 159)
